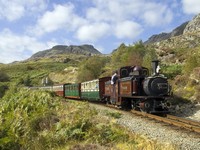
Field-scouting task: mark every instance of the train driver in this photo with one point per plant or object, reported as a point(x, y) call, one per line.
point(113, 83)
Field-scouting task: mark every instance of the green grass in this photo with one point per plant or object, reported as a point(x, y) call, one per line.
point(39, 120)
point(36, 70)
point(115, 115)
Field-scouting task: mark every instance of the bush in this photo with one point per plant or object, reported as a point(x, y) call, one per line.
point(4, 77)
point(171, 71)
point(22, 114)
point(3, 89)
point(191, 63)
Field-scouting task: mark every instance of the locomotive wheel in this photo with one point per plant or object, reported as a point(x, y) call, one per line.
point(135, 105)
point(149, 105)
point(146, 106)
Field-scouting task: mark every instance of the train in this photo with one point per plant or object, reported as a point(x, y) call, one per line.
point(135, 89)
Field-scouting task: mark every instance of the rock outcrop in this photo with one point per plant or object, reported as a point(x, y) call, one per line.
point(164, 36)
point(63, 49)
point(176, 44)
point(193, 26)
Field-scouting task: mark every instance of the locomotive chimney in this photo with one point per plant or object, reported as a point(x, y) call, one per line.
point(155, 67)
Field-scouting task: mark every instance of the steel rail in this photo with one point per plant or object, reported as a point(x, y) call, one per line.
point(173, 120)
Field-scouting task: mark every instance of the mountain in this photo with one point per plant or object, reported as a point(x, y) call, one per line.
point(178, 45)
point(63, 50)
point(163, 36)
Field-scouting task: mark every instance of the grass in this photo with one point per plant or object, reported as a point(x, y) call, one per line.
point(115, 115)
point(36, 70)
point(39, 120)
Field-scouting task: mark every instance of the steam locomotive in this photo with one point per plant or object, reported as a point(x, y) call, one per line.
point(134, 89)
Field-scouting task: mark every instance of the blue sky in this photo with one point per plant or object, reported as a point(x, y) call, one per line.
point(29, 26)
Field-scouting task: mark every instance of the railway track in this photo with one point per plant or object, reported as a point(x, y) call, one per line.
point(187, 124)
point(173, 120)
point(151, 128)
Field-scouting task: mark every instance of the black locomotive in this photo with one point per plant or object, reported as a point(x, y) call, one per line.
point(135, 89)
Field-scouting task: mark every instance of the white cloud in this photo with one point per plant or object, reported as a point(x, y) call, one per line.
point(96, 14)
point(92, 32)
point(153, 17)
point(11, 10)
point(114, 11)
point(103, 16)
point(128, 29)
point(121, 10)
point(18, 47)
point(62, 17)
point(191, 6)
point(15, 9)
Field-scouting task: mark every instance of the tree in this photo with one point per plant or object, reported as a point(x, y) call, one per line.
point(128, 55)
point(116, 60)
point(91, 68)
point(148, 57)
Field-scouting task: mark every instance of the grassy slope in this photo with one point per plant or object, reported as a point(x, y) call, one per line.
point(36, 70)
point(39, 120)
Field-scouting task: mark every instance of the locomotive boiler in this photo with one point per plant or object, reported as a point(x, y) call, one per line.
point(136, 89)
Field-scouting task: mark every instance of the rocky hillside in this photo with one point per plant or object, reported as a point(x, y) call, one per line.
point(174, 47)
point(63, 50)
point(163, 36)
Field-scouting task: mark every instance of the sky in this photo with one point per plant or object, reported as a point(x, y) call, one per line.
point(29, 26)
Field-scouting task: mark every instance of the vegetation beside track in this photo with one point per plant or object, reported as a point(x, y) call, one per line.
point(40, 120)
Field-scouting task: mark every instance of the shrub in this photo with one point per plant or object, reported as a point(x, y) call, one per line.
point(171, 71)
point(23, 114)
point(3, 89)
point(4, 77)
point(191, 63)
